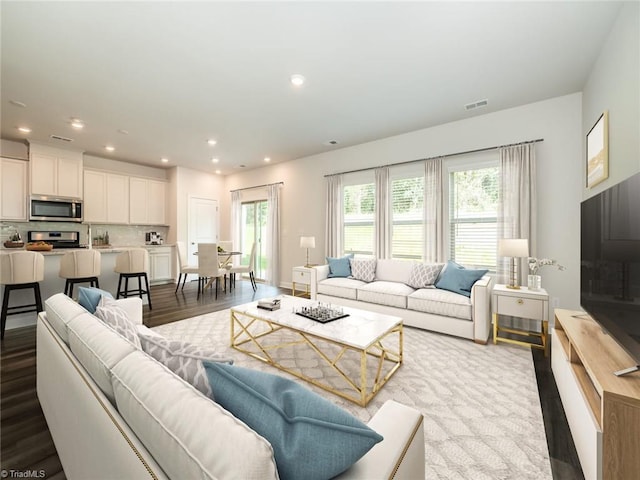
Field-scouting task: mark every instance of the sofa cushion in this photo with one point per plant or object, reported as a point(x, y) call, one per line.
point(458, 279)
point(98, 348)
point(393, 294)
point(363, 269)
point(188, 434)
point(60, 311)
point(89, 297)
point(116, 317)
point(311, 437)
point(389, 270)
point(424, 275)
point(340, 267)
point(340, 287)
point(440, 302)
point(183, 358)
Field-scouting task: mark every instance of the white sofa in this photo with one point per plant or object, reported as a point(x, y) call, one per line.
point(427, 308)
point(115, 412)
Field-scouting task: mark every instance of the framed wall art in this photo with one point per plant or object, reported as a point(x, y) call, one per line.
point(598, 151)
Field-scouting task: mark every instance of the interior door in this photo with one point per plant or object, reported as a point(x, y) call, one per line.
point(203, 225)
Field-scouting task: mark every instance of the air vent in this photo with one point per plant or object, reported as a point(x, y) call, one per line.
point(479, 103)
point(62, 139)
point(331, 142)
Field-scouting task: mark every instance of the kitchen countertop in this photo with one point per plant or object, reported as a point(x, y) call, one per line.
point(62, 251)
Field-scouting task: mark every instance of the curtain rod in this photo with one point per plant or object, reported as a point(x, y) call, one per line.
point(257, 186)
point(439, 156)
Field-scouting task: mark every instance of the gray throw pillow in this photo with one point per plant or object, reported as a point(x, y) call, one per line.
point(183, 358)
point(363, 269)
point(424, 275)
point(114, 316)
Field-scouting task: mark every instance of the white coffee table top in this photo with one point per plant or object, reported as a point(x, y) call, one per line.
point(360, 329)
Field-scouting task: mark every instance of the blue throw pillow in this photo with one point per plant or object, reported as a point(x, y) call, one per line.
point(89, 297)
point(340, 267)
point(311, 437)
point(458, 279)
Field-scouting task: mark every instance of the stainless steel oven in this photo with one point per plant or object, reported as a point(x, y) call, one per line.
point(55, 209)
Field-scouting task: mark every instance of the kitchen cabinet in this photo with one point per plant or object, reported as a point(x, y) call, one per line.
point(106, 197)
point(160, 259)
point(13, 198)
point(55, 172)
point(147, 203)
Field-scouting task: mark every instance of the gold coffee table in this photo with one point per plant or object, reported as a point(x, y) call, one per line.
point(361, 352)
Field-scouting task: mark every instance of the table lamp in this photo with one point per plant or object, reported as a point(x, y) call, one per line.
point(307, 242)
point(513, 248)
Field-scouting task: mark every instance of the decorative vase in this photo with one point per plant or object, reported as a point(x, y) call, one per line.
point(534, 282)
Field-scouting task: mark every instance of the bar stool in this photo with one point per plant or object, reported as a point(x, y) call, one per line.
point(20, 270)
point(133, 263)
point(82, 266)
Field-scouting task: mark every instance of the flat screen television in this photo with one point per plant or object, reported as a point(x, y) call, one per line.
point(610, 263)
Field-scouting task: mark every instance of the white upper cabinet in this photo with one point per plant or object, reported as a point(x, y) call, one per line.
point(147, 199)
point(55, 171)
point(106, 197)
point(13, 182)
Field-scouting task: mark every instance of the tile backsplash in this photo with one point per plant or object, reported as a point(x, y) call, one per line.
point(119, 235)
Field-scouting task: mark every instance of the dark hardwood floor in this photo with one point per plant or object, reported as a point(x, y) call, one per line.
point(25, 442)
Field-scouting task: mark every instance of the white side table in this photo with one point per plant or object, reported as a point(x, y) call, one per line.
point(301, 276)
point(522, 303)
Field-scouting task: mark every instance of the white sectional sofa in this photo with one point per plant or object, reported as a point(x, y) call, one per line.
point(429, 308)
point(116, 412)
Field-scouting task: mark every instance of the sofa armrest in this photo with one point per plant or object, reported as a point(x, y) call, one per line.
point(133, 307)
point(401, 454)
point(320, 273)
point(481, 309)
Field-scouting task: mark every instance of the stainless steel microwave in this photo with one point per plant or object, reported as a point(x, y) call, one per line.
point(55, 209)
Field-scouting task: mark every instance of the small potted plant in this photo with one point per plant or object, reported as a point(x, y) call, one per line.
point(534, 280)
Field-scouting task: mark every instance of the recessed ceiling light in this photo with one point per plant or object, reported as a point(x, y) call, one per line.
point(77, 124)
point(164, 160)
point(215, 160)
point(267, 159)
point(18, 104)
point(24, 129)
point(297, 80)
point(211, 142)
point(218, 172)
point(109, 148)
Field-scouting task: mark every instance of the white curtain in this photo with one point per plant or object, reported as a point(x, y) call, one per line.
point(382, 220)
point(517, 208)
point(334, 216)
point(434, 215)
point(273, 234)
point(236, 218)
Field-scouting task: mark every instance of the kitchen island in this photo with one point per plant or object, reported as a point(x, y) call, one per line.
point(161, 268)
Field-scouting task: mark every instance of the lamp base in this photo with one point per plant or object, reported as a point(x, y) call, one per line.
point(513, 287)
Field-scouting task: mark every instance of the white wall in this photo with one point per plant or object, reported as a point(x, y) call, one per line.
point(614, 85)
point(132, 169)
point(558, 121)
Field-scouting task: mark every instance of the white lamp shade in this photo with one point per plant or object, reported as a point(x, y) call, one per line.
point(513, 247)
point(307, 242)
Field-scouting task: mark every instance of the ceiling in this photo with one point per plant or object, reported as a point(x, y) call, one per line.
point(158, 79)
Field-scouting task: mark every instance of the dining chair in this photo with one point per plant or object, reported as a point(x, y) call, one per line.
point(247, 268)
point(208, 266)
point(183, 266)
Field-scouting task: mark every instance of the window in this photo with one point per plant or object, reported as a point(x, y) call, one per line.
point(407, 212)
point(359, 214)
point(473, 210)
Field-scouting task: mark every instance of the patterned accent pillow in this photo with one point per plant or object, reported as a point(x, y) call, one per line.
point(184, 359)
point(424, 275)
point(363, 269)
point(114, 316)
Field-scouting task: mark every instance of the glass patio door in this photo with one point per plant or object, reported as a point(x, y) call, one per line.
point(254, 229)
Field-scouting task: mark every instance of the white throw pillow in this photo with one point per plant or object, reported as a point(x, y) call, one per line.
point(114, 316)
point(363, 269)
point(183, 358)
point(424, 275)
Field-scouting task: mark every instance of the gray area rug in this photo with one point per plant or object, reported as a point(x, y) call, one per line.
point(480, 402)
